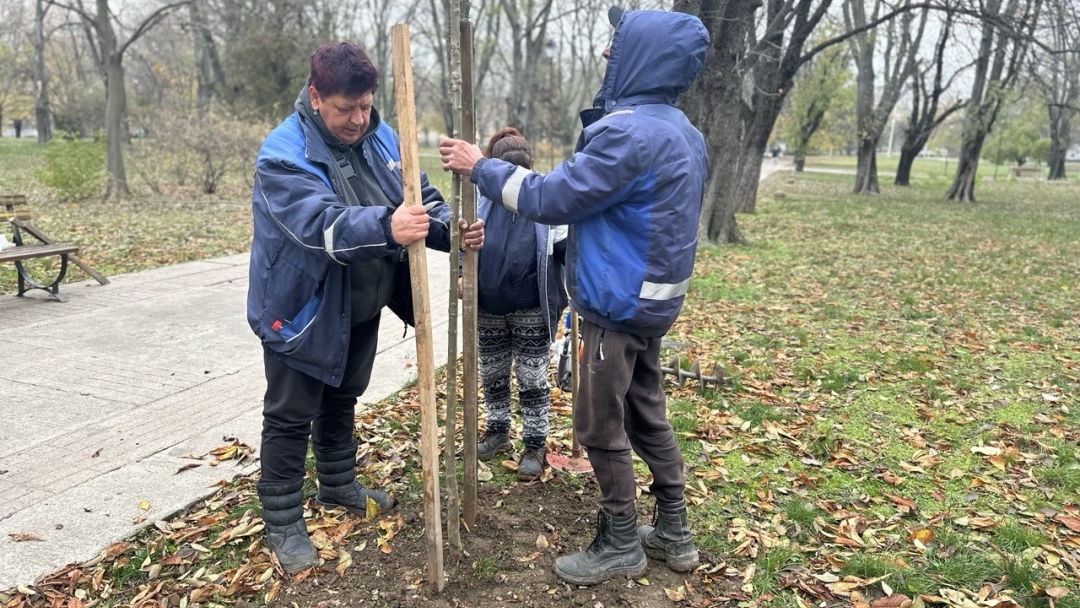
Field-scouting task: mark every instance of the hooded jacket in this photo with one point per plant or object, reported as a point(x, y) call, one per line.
point(545, 253)
point(307, 234)
point(632, 193)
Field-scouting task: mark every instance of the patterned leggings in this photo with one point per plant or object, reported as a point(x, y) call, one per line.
point(522, 336)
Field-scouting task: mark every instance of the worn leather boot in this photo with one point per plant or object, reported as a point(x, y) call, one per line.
point(338, 486)
point(492, 444)
point(669, 537)
point(285, 531)
point(533, 461)
point(616, 551)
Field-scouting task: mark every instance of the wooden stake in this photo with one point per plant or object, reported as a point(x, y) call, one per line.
point(425, 356)
point(469, 370)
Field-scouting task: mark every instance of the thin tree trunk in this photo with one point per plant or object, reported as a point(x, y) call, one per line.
point(115, 106)
point(453, 501)
point(42, 112)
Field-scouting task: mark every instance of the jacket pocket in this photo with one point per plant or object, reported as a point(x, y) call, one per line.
point(291, 304)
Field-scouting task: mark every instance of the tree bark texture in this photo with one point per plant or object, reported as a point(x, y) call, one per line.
point(42, 111)
point(712, 104)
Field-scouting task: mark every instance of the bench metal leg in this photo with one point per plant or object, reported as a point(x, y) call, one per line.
point(27, 282)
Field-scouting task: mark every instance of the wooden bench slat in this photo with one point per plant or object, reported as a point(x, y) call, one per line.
point(8, 216)
point(26, 252)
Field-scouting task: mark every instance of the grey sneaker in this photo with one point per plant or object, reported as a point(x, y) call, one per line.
point(533, 461)
point(492, 444)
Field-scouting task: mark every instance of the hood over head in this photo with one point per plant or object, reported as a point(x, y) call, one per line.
point(655, 56)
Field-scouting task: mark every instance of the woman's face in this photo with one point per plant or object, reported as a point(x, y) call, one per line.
point(346, 117)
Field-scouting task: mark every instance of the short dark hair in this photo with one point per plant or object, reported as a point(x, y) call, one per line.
point(509, 145)
point(343, 68)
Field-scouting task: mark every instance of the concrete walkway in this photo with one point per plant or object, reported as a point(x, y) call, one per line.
point(101, 398)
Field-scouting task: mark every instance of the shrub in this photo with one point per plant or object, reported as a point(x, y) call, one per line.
point(75, 168)
point(197, 149)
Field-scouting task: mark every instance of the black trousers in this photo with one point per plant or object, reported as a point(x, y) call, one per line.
point(621, 405)
point(297, 406)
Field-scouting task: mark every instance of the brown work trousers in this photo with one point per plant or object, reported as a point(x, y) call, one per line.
point(620, 404)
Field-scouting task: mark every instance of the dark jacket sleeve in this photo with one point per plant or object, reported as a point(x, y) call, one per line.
point(311, 214)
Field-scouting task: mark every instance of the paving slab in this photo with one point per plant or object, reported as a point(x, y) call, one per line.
point(104, 396)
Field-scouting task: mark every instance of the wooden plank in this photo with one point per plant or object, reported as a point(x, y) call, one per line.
point(12, 200)
point(469, 371)
point(425, 356)
point(27, 252)
point(12, 216)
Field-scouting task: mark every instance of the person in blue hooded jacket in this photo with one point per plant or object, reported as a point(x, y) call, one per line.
point(328, 249)
point(631, 195)
point(521, 297)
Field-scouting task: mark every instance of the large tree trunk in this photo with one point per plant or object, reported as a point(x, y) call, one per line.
point(713, 105)
point(1059, 141)
point(42, 112)
point(746, 188)
point(903, 170)
point(963, 186)
point(866, 177)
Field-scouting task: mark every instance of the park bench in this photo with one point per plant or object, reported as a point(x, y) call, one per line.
point(1020, 170)
point(15, 211)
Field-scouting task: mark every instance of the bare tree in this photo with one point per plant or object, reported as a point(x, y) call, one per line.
point(1005, 38)
point(110, 53)
point(927, 89)
point(529, 21)
point(1055, 72)
point(902, 38)
point(42, 111)
point(211, 77)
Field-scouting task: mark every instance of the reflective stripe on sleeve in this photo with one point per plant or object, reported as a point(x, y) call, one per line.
point(512, 188)
point(328, 239)
point(663, 291)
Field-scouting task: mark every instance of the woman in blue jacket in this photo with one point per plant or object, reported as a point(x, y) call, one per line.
point(521, 298)
point(330, 232)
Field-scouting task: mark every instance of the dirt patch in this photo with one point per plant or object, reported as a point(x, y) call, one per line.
point(504, 563)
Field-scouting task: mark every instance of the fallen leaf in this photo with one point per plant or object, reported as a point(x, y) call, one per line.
point(675, 595)
point(185, 467)
point(144, 505)
point(895, 600)
point(923, 536)
point(1057, 592)
point(1073, 523)
point(344, 561)
point(985, 450)
point(21, 538)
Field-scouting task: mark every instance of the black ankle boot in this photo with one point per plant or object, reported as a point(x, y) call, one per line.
point(338, 486)
point(669, 537)
point(616, 551)
point(285, 531)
